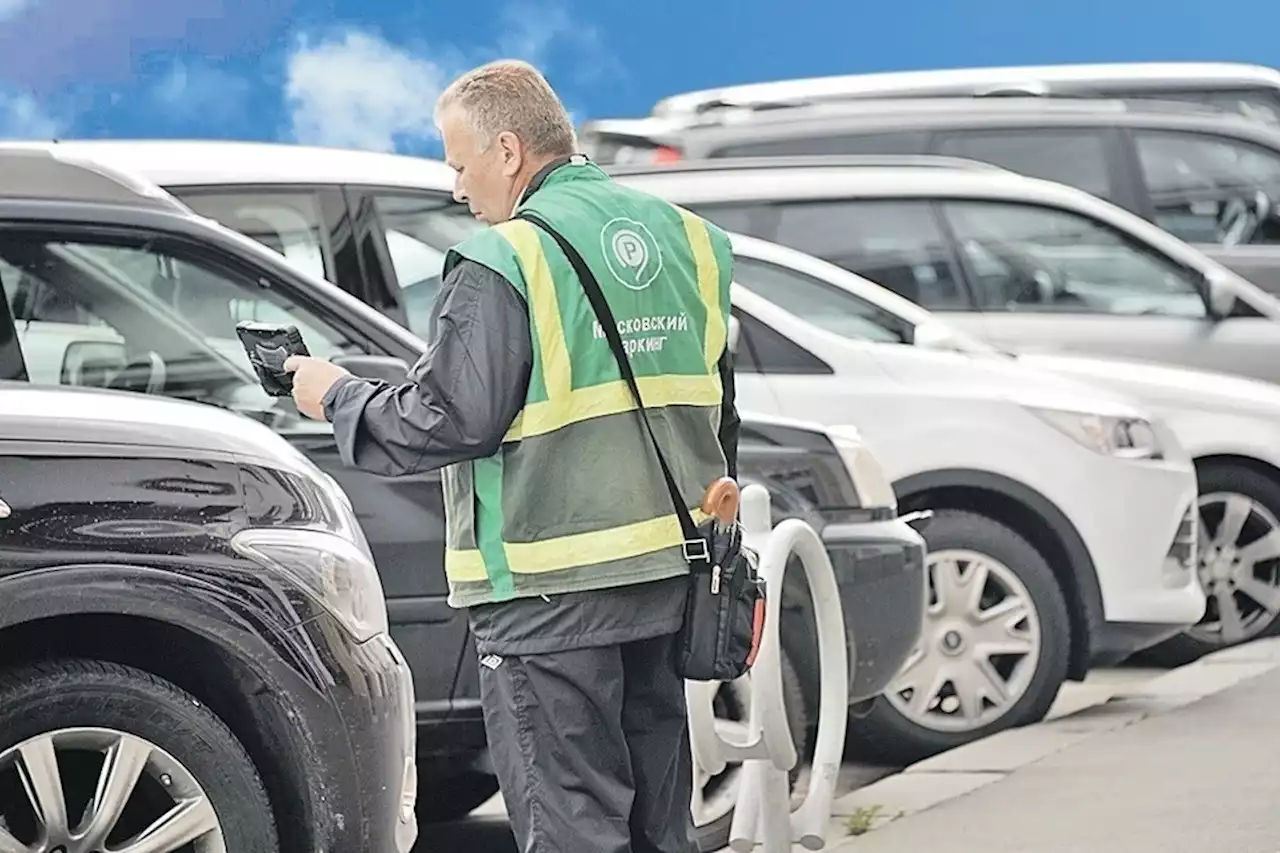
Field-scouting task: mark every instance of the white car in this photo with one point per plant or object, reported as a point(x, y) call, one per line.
point(1228, 424)
point(1026, 471)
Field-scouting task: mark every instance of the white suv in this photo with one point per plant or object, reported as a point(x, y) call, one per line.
point(1065, 530)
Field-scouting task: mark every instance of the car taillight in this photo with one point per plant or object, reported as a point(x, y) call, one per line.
point(665, 154)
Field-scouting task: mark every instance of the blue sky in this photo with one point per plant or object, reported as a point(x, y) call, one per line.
point(365, 73)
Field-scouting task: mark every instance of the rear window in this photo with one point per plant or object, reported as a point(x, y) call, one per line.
point(1258, 104)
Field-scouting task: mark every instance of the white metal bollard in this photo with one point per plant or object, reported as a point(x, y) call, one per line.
point(763, 814)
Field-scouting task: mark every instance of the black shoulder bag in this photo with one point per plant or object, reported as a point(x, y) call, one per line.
point(725, 608)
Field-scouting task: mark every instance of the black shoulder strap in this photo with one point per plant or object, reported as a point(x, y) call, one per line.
point(695, 545)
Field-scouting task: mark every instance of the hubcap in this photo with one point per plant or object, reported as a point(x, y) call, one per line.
point(715, 796)
point(96, 790)
point(979, 646)
point(1239, 568)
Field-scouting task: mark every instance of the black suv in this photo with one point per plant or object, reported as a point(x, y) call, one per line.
point(1208, 176)
point(153, 291)
point(193, 636)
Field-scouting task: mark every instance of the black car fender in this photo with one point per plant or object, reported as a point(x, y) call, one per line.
point(257, 670)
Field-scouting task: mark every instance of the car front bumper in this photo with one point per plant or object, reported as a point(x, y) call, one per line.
point(880, 572)
point(1138, 519)
point(364, 734)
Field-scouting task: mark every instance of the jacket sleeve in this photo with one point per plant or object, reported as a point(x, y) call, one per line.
point(729, 420)
point(461, 396)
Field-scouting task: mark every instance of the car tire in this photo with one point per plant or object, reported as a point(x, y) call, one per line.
point(54, 717)
point(897, 732)
point(714, 834)
point(1220, 486)
point(442, 799)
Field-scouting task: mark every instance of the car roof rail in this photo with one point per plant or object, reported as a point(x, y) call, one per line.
point(866, 105)
point(808, 161)
point(994, 81)
point(37, 170)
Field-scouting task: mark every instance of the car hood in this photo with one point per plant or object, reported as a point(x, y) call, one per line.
point(67, 414)
point(1168, 387)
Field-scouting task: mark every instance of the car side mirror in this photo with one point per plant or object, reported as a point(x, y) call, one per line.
point(735, 334)
point(932, 336)
point(92, 363)
point(387, 368)
point(1221, 293)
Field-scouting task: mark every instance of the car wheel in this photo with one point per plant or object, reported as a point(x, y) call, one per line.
point(95, 755)
point(714, 797)
point(1239, 565)
point(993, 652)
point(447, 798)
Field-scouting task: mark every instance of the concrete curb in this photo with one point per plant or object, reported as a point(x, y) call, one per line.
point(960, 771)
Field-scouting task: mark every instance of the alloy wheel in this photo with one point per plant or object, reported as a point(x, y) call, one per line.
point(97, 790)
point(1239, 566)
point(979, 647)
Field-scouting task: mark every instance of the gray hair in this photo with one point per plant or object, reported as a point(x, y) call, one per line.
point(510, 95)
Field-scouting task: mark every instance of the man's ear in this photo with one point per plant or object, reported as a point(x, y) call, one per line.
point(512, 152)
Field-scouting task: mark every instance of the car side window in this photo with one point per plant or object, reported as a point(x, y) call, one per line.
point(287, 222)
point(419, 229)
point(1074, 157)
point(1211, 189)
point(149, 316)
point(824, 305)
point(1023, 257)
point(763, 350)
point(895, 243)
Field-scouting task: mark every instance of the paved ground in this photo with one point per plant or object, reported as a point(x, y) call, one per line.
point(487, 830)
point(1184, 775)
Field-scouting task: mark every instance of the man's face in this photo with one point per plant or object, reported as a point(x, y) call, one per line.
point(486, 180)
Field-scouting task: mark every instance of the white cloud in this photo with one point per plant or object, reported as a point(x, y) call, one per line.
point(199, 89)
point(360, 91)
point(22, 117)
point(357, 90)
point(533, 34)
point(10, 9)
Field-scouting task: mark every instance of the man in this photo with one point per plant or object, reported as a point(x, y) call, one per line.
point(562, 541)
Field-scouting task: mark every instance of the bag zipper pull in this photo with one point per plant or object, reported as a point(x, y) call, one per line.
point(715, 580)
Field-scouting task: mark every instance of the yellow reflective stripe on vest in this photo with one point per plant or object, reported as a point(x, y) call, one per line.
point(612, 398)
point(708, 285)
point(540, 289)
point(578, 549)
point(564, 404)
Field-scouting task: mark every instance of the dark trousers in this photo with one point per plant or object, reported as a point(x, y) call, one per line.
point(591, 748)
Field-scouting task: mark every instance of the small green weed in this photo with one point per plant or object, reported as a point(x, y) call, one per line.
point(866, 818)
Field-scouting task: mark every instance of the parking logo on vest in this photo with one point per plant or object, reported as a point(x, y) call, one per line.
point(631, 252)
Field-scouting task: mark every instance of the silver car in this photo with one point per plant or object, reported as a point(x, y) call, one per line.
point(1025, 264)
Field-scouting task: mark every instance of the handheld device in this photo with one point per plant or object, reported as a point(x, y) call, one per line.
point(268, 345)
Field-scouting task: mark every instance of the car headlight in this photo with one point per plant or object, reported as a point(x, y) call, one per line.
point(1113, 435)
point(869, 480)
point(332, 569)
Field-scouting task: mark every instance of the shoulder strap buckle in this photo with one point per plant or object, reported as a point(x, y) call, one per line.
point(695, 550)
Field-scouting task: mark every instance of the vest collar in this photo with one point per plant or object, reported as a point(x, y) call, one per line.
point(552, 173)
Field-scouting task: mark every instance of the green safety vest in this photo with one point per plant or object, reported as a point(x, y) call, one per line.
point(574, 499)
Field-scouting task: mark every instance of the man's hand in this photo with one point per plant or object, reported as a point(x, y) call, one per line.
point(312, 379)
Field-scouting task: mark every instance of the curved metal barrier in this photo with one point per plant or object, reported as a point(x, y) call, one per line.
point(763, 814)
